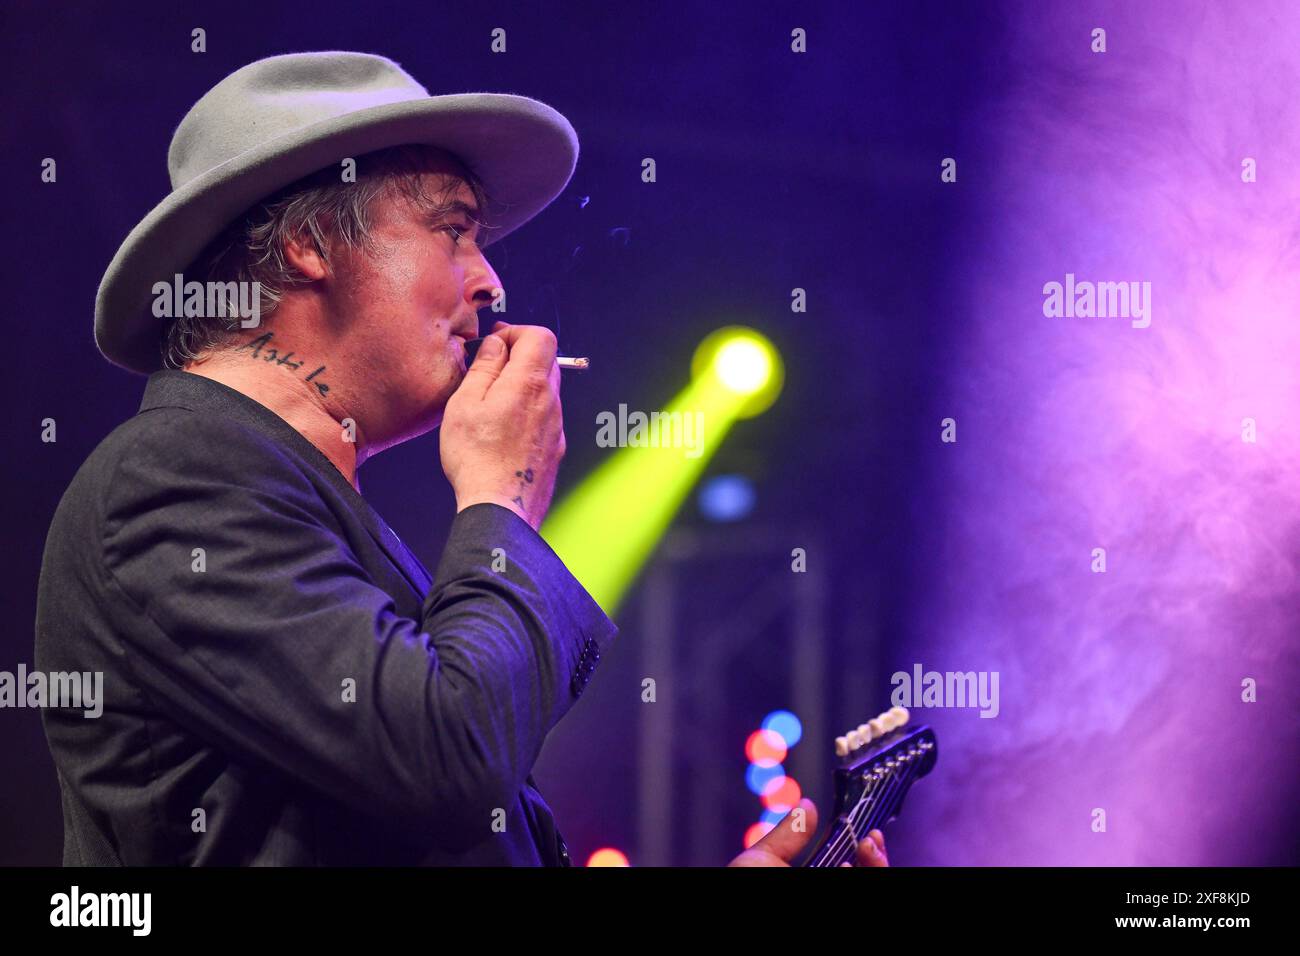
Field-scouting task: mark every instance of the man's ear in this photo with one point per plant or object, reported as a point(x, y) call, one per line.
point(304, 254)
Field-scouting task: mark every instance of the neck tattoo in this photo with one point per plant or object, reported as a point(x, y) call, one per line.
point(261, 345)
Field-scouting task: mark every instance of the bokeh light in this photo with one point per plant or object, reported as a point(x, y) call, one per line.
point(608, 856)
point(727, 498)
point(756, 832)
point(765, 748)
point(786, 724)
point(757, 778)
point(781, 794)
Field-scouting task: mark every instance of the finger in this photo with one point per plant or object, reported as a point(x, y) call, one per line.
point(486, 368)
point(793, 832)
point(879, 837)
point(532, 349)
point(865, 854)
point(868, 852)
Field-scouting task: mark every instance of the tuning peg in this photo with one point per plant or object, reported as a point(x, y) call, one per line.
point(894, 718)
point(863, 734)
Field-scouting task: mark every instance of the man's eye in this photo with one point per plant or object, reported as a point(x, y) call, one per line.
point(459, 231)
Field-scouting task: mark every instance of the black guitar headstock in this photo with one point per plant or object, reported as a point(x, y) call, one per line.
point(878, 763)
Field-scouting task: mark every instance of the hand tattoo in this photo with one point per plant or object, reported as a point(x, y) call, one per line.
point(526, 478)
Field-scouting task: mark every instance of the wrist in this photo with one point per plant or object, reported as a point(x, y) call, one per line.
point(466, 501)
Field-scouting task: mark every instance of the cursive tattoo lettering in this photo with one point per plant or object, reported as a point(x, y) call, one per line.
point(272, 355)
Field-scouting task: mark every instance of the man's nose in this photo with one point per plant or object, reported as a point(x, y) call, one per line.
point(482, 286)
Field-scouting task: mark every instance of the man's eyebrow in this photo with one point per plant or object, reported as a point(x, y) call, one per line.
point(456, 207)
point(439, 212)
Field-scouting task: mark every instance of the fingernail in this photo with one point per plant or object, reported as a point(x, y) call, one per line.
point(491, 347)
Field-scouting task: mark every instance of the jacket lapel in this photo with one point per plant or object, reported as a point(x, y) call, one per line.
point(178, 388)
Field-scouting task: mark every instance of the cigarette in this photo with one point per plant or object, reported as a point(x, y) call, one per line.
point(564, 361)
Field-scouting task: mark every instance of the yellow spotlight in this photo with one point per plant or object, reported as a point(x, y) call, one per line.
point(743, 366)
point(608, 527)
point(745, 363)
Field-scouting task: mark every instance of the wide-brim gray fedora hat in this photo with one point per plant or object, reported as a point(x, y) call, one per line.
point(277, 120)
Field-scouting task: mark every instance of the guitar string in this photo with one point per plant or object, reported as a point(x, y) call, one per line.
point(880, 797)
point(845, 842)
point(862, 815)
point(846, 839)
point(873, 823)
point(861, 818)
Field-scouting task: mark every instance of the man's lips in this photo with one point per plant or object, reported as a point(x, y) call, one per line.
point(465, 337)
point(566, 362)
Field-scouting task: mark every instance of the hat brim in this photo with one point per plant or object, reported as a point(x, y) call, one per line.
point(522, 150)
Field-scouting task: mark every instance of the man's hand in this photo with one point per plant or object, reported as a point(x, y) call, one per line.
point(503, 429)
point(784, 843)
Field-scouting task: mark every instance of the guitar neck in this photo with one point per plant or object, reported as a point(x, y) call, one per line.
point(870, 785)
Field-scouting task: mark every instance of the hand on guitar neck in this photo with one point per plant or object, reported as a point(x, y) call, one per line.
point(877, 763)
point(785, 842)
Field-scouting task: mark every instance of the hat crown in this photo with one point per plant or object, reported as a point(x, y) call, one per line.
point(279, 95)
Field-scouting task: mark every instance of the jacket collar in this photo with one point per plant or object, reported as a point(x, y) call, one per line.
point(178, 389)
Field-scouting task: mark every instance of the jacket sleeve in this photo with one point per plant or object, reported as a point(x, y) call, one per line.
point(273, 643)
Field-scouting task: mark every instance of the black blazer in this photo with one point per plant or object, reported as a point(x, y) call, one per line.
point(284, 682)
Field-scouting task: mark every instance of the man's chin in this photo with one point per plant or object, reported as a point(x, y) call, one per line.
point(418, 426)
point(422, 418)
